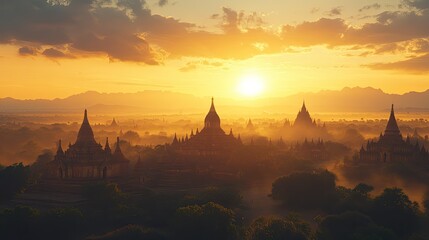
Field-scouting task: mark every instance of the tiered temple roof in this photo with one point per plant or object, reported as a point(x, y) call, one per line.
point(303, 119)
point(87, 159)
point(391, 146)
point(210, 140)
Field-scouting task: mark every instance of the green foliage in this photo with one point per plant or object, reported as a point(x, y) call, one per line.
point(275, 228)
point(306, 190)
point(210, 221)
point(13, 179)
point(130, 232)
point(351, 226)
point(394, 210)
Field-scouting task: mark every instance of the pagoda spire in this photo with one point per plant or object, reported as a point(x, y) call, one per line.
point(107, 146)
point(212, 107)
point(175, 141)
point(85, 137)
point(118, 155)
point(392, 126)
point(118, 148)
point(60, 148)
point(212, 119)
point(85, 116)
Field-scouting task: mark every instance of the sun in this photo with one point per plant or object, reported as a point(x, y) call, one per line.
point(250, 85)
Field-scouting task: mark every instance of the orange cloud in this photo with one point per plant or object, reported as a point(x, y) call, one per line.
point(126, 30)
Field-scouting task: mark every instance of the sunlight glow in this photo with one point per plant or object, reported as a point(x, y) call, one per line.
point(251, 85)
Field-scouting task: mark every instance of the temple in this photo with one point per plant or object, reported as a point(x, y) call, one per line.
point(211, 140)
point(310, 150)
point(86, 159)
point(303, 119)
point(114, 124)
point(392, 147)
point(304, 127)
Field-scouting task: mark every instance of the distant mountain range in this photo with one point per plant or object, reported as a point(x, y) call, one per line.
point(355, 99)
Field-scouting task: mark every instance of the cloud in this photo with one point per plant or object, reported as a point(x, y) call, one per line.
point(374, 6)
point(193, 65)
point(323, 31)
point(162, 3)
point(419, 4)
point(314, 10)
point(60, 24)
point(416, 65)
point(242, 38)
point(27, 51)
point(389, 48)
point(126, 30)
point(390, 27)
point(54, 53)
point(335, 11)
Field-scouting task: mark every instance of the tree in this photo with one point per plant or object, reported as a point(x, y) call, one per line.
point(275, 228)
point(357, 199)
point(394, 210)
point(39, 166)
point(210, 221)
point(103, 197)
point(351, 226)
point(130, 232)
point(225, 196)
point(306, 190)
point(19, 223)
point(64, 223)
point(13, 179)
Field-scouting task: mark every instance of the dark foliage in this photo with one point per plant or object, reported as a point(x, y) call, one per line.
point(394, 210)
point(13, 180)
point(225, 196)
point(351, 226)
point(275, 228)
point(19, 223)
point(210, 221)
point(131, 232)
point(103, 196)
point(39, 166)
point(356, 199)
point(306, 190)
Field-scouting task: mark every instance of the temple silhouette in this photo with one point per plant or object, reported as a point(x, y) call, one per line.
point(391, 146)
point(86, 159)
point(303, 119)
point(304, 127)
point(211, 140)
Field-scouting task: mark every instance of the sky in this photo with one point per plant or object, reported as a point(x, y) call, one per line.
point(234, 49)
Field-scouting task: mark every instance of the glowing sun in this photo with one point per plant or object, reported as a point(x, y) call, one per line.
point(251, 85)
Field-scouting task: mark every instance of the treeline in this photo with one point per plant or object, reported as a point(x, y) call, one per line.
point(13, 179)
point(216, 213)
point(353, 214)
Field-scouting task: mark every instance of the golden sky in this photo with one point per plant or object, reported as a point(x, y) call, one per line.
point(236, 48)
